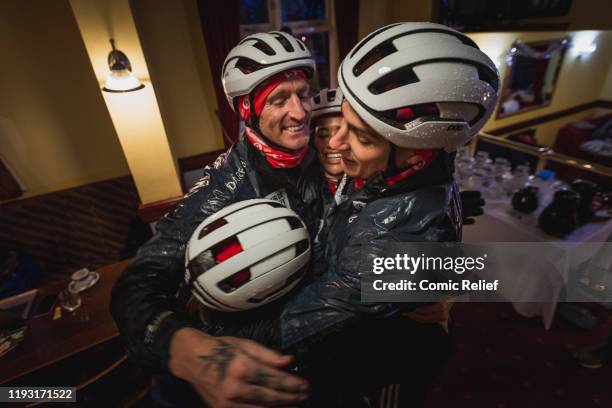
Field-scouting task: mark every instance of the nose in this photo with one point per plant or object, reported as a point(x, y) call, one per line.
point(338, 141)
point(297, 110)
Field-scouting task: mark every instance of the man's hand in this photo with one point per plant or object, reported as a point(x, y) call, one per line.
point(233, 372)
point(436, 313)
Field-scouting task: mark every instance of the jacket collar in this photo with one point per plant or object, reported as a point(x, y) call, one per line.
point(438, 172)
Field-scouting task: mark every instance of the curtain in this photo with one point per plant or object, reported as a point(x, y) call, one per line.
point(221, 28)
point(347, 21)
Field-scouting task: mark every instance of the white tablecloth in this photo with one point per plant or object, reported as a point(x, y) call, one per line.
point(501, 223)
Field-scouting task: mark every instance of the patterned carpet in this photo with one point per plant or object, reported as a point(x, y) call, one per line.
point(503, 360)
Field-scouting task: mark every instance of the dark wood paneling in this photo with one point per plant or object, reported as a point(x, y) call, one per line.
point(86, 226)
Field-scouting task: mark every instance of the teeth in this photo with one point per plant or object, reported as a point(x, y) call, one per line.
point(334, 155)
point(295, 128)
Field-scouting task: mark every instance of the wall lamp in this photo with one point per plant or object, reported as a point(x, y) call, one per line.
point(585, 48)
point(120, 77)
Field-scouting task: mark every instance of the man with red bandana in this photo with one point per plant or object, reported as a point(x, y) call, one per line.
point(265, 81)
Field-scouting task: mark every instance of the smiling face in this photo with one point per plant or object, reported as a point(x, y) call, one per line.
point(363, 151)
point(324, 128)
point(286, 115)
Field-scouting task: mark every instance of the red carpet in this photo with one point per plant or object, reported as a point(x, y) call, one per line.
point(503, 360)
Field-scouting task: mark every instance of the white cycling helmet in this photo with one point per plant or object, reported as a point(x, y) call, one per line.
point(260, 56)
point(246, 255)
point(420, 85)
point(327, 101)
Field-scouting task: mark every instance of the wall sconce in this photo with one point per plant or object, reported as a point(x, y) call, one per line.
point(120, 77)
point(585, 49)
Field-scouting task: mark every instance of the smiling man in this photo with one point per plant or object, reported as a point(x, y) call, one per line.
point(265, 81)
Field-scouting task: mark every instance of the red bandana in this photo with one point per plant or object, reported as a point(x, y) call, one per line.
point(332, 181)
point(428, 156)
point(260, 94)
point(276, 158)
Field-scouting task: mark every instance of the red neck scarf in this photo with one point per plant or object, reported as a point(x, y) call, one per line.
point(428, 156)
point(332, 181)
point(276, 158)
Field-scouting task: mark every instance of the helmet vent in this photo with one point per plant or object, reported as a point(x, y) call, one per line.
point(285, 43)
point(331, 95)
point(372, 35)
point(276, 204)
point(200, 264)
point(481, 113)
point(489, 77)
point(395, 79)
point(226, 249)
point(213, 226)
point(235, 281)
point(373, 56)
point(295, 223)
point(301, 247)
point(246, 65)
point(301, 44)
point(263, 47)
point(388, 48)
point(399, 117)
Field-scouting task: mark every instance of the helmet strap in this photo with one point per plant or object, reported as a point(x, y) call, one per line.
point(392, 161)
point(253, 123)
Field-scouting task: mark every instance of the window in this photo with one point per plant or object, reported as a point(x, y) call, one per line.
point(309, 20)
point(302, 10)
point(254, 12)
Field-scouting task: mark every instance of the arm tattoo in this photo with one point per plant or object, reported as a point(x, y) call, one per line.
point(261, 378)
point(221, 357)
point(268, 381)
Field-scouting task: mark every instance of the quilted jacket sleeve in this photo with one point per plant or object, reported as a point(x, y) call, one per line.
point(144, 300)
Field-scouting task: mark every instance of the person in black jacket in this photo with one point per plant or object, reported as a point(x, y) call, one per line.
point(398, 188)
point(271, 160)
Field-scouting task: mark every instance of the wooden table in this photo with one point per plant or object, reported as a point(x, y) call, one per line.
point(48, 341)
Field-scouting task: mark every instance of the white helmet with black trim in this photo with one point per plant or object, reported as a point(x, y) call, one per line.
point(420, 85)
point(259, 57)
point(246, 255)
point(327, 101)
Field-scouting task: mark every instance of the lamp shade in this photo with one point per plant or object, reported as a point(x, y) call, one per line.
point(120, 77)
point(121, 81)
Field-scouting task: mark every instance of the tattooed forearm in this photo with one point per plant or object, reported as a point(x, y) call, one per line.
point(220, 359)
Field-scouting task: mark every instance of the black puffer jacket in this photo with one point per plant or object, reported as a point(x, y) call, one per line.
point(424, 207)
point(144, 302)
